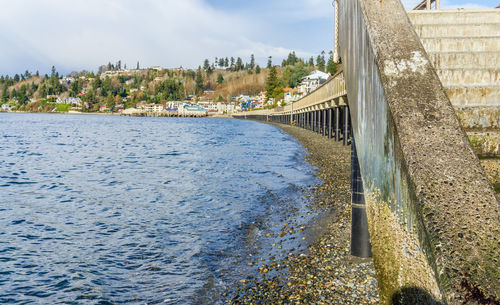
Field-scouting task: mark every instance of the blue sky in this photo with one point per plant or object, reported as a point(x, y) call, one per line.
point(83, 34)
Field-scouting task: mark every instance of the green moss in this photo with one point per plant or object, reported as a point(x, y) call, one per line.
point(400, 263)
point(477, 143)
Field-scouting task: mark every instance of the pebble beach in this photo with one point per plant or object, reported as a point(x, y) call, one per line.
point(322, 272)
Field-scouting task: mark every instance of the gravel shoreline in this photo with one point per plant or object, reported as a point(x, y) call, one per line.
point(325, 273)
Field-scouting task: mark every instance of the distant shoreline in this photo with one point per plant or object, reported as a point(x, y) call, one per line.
point(217, 116)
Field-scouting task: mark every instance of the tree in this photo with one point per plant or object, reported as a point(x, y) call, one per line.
point(252, 61)
point(226, 62)
point(206, 65)
point(257, 69)
point(199, 81)
point(221, 62)
point(271, 83)
point(232, 63)
point(239, 64)
point(331, 67)
point(110, 102)
point(291, 60)
point(311, 62)
point(269, 62)
point(137, 67)
point(320, 61)
point(53, 73)
point(220, 78)
point(5, 94)
point(298, 72)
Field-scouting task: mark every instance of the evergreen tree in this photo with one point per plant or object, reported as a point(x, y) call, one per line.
point(269, 62)
point(239, 64)
point(137, 67)
point(220, 78)
point(311, 62)
point(271, 83)
point(257, 69)
point(199, 81)
point(110, 102)
point(221, 62)
point(320, 61)
point(206, 65)
point(226, 62)
point(331, 67)
point(232, 63)
point(53, 72)
point(252, 61)
point(5, 94)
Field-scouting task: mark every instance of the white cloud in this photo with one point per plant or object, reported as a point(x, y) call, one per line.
point(82, 34)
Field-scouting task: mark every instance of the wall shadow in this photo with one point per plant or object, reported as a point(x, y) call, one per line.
point(413, 296)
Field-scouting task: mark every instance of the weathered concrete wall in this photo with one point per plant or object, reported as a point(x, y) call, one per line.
point(485, 144)
point(464, 48)
point(433, 215)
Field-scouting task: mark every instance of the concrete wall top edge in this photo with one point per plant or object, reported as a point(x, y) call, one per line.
point(454, 11)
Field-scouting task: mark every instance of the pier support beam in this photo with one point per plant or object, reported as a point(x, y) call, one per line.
point(330, 123)
point(360, 237)
point(337, 124)
point(346, 125)
point(318, 125)
point(324, 122)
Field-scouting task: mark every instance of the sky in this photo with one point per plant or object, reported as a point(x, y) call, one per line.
point(83, 34)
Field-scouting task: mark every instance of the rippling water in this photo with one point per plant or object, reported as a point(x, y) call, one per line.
point(104, 210)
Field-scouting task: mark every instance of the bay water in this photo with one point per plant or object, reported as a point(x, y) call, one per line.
point(119, 210)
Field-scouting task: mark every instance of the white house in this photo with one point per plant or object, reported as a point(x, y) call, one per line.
point(70, 100)
point(191, 110)
point(208, 105)
point(312, 81)
point(152, 107)
point(172, 104)
point(227, 108)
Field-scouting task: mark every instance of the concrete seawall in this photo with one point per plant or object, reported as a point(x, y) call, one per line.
point(433, 215)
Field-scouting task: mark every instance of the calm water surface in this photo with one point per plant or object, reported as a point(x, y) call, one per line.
point(105, 210)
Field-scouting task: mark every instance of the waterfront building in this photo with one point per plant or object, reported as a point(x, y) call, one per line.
point(157, 108)
point(191, 110)
point(312, 81)
point(76, 101)
point(172, 105)
point(6, 107)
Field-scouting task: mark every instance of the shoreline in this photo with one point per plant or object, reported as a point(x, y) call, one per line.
point(217, 116)
point(325, 273)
